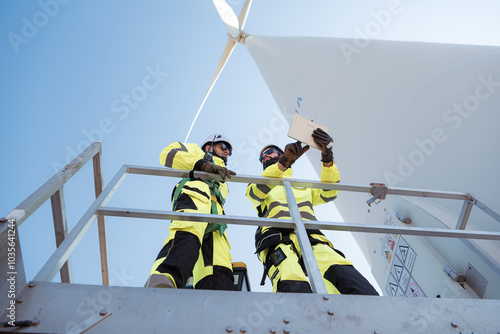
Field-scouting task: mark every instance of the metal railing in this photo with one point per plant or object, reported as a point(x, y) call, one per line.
point(98, 210)
point(53, 189)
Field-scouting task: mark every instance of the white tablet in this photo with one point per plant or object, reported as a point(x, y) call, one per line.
point(302, 129)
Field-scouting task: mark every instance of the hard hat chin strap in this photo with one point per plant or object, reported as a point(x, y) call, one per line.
point(208, 154)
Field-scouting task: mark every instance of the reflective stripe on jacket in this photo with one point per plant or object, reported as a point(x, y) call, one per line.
point(270, 201)
point(184, 156)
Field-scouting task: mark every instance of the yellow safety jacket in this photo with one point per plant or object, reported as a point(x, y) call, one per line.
point(270, 202)
point(184, 156)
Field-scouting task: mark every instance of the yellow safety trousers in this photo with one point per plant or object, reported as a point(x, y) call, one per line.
point(290, 269)
point(221, 247)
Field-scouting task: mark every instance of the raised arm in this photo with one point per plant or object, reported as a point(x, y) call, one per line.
point(180, 156)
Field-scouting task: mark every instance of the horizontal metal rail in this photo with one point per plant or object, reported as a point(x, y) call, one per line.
point(298, 183)
point(286, 223)
point(98, 209)
point(168, 172)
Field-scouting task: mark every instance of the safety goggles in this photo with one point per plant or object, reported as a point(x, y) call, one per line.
point(267, 152)
point(226, 147)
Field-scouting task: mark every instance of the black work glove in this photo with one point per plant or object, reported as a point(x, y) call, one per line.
point(293, 151)
point(326, 142)
point(204, 166)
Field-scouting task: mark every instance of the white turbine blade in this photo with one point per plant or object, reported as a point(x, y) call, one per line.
point(228, 17)
point(244, 14)
point(228, 50)
point(418, 91)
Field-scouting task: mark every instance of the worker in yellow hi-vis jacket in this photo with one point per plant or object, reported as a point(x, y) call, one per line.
point(192, 247)
point(278, 248)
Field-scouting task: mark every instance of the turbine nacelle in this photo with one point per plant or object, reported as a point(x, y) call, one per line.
point(234, 25)
point(239, 39)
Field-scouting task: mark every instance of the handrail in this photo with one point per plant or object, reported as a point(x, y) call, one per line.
point(163, 171)
point(98, 209)
point(53, 189)
point(286, 223)
point(49, 188)
point(62, 253)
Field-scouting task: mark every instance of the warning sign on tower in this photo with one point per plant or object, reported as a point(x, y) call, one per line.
point(400, 281)
point(393, 288)
point(400, 259)
point(406, 254)
point(401, 273)
point(414, 290)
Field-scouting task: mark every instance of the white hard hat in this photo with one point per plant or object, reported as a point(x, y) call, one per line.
point(217, 138)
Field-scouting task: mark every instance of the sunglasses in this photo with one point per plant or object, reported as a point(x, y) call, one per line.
point(267, 152)
point(226, 147)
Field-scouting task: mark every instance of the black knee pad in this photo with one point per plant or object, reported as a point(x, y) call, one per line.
point(222, 279)
point(294, 286)
point(349, 281)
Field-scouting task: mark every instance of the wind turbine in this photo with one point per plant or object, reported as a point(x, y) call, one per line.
point(407, 114)
point(234, 26)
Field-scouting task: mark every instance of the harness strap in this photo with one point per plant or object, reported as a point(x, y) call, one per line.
point(178, 190)
point(215, 197)
point(285, 239)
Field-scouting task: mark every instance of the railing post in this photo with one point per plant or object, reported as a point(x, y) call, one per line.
point(465, 214)
point(317, 284)
point(49, 188)
point(62, 253)
point(61, 230)
point(101, 224)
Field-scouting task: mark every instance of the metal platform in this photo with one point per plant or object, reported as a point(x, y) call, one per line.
point(73, 308)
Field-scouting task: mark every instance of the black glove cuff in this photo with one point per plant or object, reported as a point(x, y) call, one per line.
point(197, 165)
point(328, 157)
point(286, 162)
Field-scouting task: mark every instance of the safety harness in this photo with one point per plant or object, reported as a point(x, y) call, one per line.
point(215, 196)
point(272, 241)
point(272, 238)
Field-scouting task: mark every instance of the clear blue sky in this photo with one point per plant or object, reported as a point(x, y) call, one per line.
point(132, 75)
